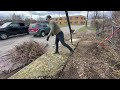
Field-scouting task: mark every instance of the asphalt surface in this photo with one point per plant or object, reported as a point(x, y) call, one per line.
point(6, 45)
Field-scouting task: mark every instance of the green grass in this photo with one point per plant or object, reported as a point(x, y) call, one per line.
point(83, 29)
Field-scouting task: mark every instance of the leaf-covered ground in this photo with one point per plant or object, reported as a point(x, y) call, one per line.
point(90, 61)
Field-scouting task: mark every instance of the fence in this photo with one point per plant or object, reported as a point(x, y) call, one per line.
point(113, 37)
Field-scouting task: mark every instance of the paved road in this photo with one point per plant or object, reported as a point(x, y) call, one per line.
point(8, 44)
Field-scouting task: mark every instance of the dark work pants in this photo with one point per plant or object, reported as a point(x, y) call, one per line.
point(60, 37)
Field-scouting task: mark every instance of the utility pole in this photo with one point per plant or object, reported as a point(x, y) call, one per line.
point(66, 12)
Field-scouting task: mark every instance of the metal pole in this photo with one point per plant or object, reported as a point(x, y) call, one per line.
point(66, 12)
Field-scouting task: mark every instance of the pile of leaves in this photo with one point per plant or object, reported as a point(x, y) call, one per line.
point(27, 52)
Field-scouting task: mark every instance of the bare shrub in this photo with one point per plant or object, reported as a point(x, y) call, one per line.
point(96, 24)
point(26, 52)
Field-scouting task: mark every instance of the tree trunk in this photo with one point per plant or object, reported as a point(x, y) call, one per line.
point(103, 21)
point(96, 23)
point(87, 18)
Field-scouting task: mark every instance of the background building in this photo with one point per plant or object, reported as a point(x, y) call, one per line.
point(79, 20)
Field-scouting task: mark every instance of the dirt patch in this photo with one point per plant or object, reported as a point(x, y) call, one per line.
point(93, 50)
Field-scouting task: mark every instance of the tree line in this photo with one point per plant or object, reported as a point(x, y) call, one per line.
point(19, 18)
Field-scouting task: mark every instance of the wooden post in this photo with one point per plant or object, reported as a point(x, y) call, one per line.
point(69, 24)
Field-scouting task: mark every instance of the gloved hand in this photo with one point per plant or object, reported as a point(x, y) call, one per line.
point(47, 38)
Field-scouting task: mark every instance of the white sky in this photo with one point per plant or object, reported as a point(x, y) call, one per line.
point(43, 14)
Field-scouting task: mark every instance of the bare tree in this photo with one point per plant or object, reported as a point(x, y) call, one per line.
point(31, 15)
point(95, 14)
point(16, 18)
point(87, 18)
point(116, 16)
point(96, 22)
point(27, 21)
point(39, 18)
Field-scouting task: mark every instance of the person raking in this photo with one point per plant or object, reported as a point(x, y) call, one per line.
point(55, 30)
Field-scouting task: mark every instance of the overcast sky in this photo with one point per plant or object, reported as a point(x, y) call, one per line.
point(36, 14)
